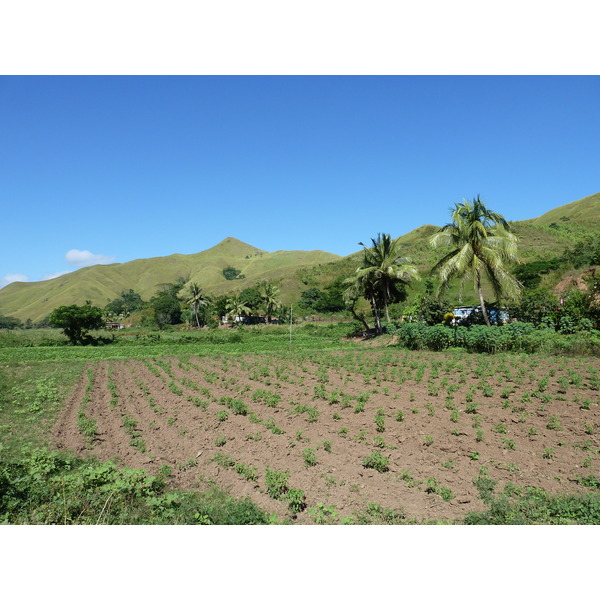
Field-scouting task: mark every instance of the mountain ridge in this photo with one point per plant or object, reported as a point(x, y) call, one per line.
point(102, 283)
point(544, 236)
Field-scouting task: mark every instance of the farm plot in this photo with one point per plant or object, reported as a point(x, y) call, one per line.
point(348, 436)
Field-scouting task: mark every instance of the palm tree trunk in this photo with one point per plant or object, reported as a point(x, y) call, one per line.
point(377, 317)
point(358, 316)
point(385, 301)
point(481, 301)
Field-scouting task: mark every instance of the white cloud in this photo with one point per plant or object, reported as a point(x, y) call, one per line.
point(11, 278)
point(55, 275)
point(84, 258)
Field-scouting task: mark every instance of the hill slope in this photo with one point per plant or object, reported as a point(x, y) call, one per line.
point(102, 283)
point(541, 238)
point(584, 212)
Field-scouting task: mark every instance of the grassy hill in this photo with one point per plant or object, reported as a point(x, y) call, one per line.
point(102, 283)
point(584, 212)
point(541, 238)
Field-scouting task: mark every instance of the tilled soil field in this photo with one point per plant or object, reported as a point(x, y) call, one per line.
point(406, 431)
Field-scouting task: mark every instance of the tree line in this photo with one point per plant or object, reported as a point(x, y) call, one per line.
point(477, 246)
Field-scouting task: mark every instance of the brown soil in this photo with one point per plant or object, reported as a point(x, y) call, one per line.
point(426, 444)
point(571, 282)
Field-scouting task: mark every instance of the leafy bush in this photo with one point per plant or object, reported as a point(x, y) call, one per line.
point(411, 335)
point(377, 461)
point(296, 500)
point(276, 482)
point(531, 505)
point(56, 488)
point(236, 405)
point(513, 337)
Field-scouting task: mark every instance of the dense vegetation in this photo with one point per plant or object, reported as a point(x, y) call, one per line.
point(564, 245)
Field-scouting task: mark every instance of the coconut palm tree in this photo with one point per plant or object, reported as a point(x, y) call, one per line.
point(195, 297)
point(269, 294)
point(382, 270)
point(236, 308)
point(482, 245)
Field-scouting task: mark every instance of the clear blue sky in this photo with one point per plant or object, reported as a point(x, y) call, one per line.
point(135, 167)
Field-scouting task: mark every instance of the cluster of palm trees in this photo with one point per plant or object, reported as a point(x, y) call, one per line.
point(195, 296)
point(269, 295)
point(480, 246)
point(382, 276)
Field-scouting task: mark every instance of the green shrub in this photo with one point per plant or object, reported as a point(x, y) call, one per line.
point(296, 500)
point(377, 461)
point(531, 506)
point(513, 337)
point(53, 488)
point(237, 406)
point(276, 482)
point(310, 458)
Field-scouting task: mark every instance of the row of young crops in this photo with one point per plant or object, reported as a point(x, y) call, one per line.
point(348, 436)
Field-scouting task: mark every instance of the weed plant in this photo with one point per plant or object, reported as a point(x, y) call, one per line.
point(377, 461)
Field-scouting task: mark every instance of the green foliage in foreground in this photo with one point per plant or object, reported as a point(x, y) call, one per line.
point(532, 506)
point(142, 344)
point(53, 488)
point(514, 337)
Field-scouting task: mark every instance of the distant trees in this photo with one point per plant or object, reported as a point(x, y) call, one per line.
point(166, 305)
point(329, 300)
point(581, 308)
point(481, 245)
point(477, 246)
point(428, 308)
point(196, 298)
point(586, 251)
point(232, 273)
point(263, 297)
point(76, 321)
point(537, 306)
point(269, 294)
point(236, 307)
point(252, 298)
point(167, 310)
point(311, 298)
point(126, 303)
point(333, 300)
point(9, 322)
point(219, 306)
point(530, 274)
point(578, 310)
point(352, 294)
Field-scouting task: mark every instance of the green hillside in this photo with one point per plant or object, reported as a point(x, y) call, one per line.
point(541, 238)
point(102, 283)
point(584, 212)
